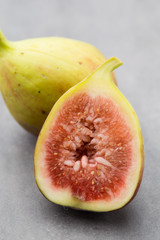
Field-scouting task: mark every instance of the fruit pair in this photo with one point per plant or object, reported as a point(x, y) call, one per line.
point(89, 154)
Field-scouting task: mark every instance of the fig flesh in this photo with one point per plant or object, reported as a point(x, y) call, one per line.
point(89, 154)
point(34, 73)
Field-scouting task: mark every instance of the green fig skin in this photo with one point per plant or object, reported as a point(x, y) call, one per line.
point(35, 73)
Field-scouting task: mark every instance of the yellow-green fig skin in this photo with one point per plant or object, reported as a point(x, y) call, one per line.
point(34, 74)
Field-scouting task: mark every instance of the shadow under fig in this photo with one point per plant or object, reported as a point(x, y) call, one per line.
point(70, 218)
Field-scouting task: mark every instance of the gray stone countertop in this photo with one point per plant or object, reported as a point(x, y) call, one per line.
point(129, 30)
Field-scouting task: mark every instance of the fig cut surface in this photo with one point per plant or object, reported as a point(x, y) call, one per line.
point(89, 154)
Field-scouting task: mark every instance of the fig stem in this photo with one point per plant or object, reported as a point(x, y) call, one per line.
point(104, 71)
point(112, 64)
point(4, 43)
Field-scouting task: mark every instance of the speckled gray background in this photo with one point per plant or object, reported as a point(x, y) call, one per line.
point(129, 30)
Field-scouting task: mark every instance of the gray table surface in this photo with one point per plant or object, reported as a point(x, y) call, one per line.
point(129, 30)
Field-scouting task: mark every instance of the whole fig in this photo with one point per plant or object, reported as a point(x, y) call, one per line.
point(34, 73)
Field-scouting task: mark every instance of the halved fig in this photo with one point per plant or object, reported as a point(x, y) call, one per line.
point(89, 154)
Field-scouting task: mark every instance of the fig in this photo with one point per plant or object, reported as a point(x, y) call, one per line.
point(34, 73)
point(89, 154)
